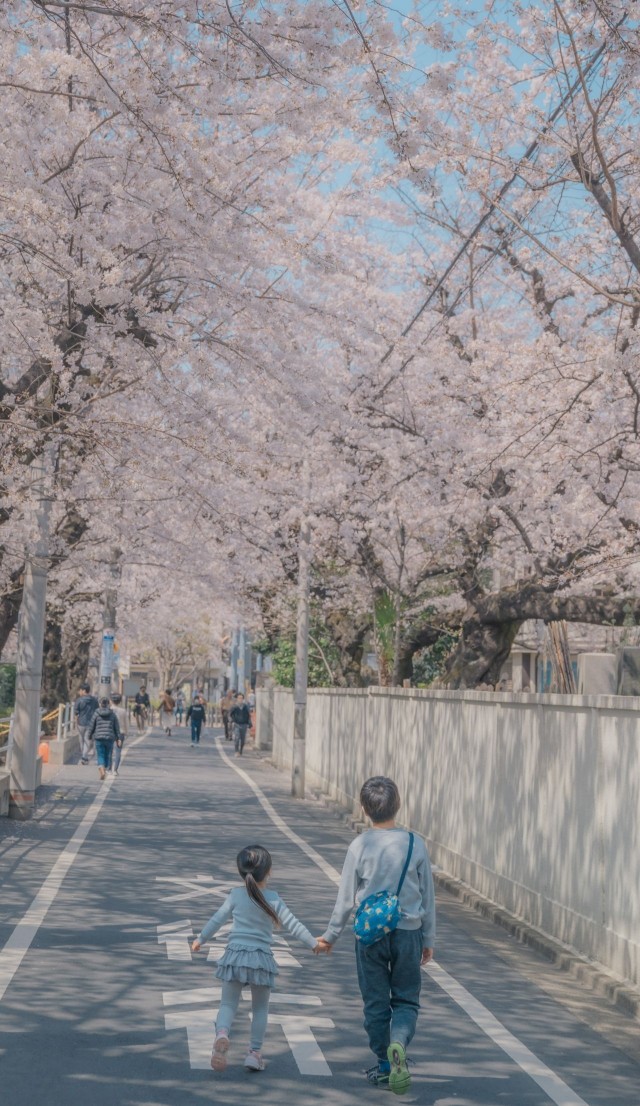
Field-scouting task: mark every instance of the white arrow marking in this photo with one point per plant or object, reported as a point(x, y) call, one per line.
point(180, 927)
point(306, 1050)
point(212, 994)
point(178, 945)
point(199, 1025)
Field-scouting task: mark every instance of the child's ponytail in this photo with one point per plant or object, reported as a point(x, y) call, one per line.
point(254, 864)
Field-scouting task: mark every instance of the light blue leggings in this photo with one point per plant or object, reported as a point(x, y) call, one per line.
point(231, 991)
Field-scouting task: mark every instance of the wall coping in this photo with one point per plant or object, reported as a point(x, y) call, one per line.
point(630, 703)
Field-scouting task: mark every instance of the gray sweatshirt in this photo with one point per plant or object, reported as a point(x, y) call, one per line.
point(252, 928)
point(374, 863)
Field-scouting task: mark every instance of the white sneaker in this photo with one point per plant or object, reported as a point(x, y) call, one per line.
point(253, 1061)
point(219, 1054)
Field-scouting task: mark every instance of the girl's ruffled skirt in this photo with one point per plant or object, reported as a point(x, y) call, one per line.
point(250, 966)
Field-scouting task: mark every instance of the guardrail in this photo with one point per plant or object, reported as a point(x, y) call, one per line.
point(63, 714)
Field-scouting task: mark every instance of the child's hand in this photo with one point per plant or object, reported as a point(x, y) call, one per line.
point(196, 946)
point(322, 946)
point(427, 955)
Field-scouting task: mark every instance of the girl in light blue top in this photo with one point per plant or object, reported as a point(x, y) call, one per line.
point(248, 959)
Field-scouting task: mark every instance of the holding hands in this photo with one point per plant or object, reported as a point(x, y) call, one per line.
point(322, 946)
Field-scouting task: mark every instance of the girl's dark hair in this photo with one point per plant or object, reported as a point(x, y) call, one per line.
point(254, 864)
point(380, 799)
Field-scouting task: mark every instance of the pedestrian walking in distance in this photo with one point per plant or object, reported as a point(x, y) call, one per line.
point(141, 707)
point(167, 707)
point(121, 715)
point(180, 705)
point(248, 960)
point(196, 713)
point(387, 875)
point(104, 729)
point(241, 717)
point(85, 707)
point(226, 704)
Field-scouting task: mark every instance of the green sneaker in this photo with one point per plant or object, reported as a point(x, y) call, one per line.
point(399, 1079)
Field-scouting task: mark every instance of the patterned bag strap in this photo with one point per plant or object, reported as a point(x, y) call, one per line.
point(406, 865)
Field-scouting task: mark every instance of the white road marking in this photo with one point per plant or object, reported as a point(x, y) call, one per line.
point(297, 1029)
point(553, 1086)
point(176, 940)
point(19, 942)
point(199, 1026)
point(198, 886)
point(328, 869)
point(176, 927)
point(306, 1050)
point(212, 994)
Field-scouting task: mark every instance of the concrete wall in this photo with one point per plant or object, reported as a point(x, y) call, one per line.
point(533, 800)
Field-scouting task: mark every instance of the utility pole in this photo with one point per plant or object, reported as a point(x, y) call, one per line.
point(109, 626)
point(302, 643)
point(235, 653)
point(31, 627)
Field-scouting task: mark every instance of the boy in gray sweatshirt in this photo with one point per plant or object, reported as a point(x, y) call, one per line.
point(389, 970)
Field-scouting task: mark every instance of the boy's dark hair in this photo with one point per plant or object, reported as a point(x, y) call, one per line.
point(116, 698)
point(380, 799)
point(104, 703)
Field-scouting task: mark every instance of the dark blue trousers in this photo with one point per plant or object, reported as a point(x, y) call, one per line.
point(390, 979)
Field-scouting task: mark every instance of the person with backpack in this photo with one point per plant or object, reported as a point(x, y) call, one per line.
point(197, 713)
point(104, 730)
point(387, 876)
point(121, 715)
point(167, 707)
point(85, 707)
point(240, 715)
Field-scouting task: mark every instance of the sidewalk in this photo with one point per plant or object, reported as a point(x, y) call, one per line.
point(108, 1005)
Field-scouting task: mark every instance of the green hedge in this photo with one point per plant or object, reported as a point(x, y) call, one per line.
point(7, 688)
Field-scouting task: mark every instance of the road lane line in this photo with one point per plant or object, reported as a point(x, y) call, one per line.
point(557, 1090)
point(330, 872)
point(20, 940)
point(553, 1086)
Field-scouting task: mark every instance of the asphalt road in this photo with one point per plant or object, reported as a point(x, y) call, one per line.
point(102, 1002)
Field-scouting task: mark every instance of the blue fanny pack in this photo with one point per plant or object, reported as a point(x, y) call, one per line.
point(379, 914)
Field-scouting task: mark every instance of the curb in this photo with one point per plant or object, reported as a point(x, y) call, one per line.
point(588, 973)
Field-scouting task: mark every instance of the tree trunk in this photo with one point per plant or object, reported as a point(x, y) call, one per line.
point(55, 688)
point(490, 625)
point(348, 637)
point(482, 649)
point(77, 650)
point(10, 606)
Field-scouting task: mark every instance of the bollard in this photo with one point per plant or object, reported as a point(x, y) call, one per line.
point(60, 721)
point(67, 719)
